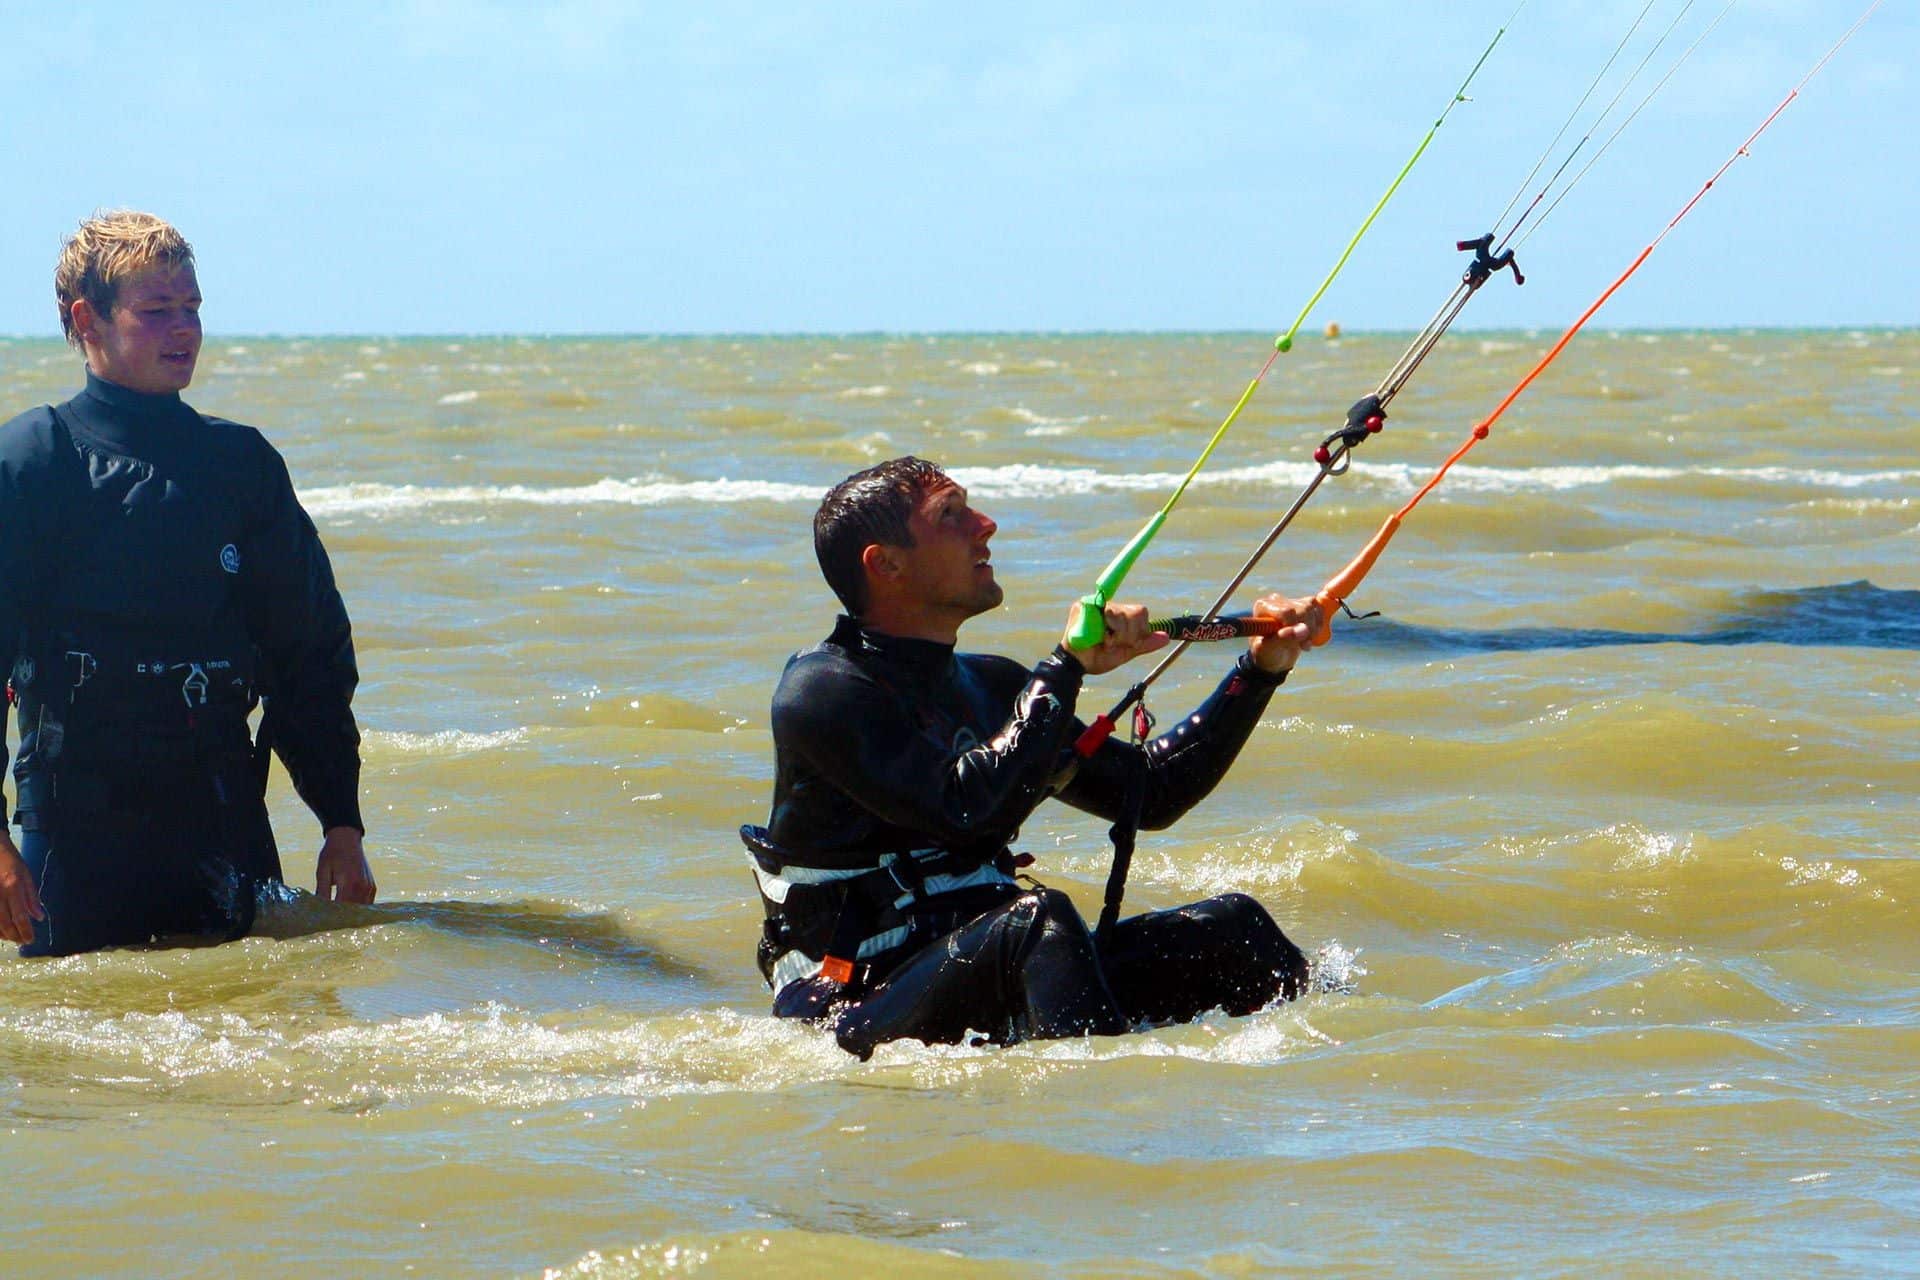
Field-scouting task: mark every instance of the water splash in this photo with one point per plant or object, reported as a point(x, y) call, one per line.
point(1335, 971)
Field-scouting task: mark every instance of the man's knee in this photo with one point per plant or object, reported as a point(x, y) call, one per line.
point(1051, 906)
point(1269, 965)
point(111, 889)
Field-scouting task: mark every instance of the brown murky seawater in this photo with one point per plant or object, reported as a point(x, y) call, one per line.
point(1602, 833)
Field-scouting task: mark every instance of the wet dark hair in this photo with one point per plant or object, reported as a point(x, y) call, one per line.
point(867, 507)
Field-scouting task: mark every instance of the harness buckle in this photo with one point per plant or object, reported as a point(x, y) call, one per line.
point(905, 874)
point(80, 667)
point(836, 969)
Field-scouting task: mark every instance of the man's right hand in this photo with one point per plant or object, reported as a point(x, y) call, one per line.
point(1127, 638)
point(19, 903)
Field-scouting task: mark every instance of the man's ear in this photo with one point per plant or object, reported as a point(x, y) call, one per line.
point(879, 561)
point(83, 316)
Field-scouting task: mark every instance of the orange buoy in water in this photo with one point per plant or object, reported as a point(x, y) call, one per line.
point(1333, 328)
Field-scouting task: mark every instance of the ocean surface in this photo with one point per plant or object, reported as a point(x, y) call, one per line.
point(1602, 833)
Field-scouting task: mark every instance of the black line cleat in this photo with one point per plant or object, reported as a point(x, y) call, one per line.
point(1484, 263)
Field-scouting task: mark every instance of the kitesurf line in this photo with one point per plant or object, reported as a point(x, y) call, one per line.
point(1601, 118)
point(1571, 117)
point(1342, 585)
point(1368, 414)
point(1621, 129)
point(1490, 256)
point(1090, 626)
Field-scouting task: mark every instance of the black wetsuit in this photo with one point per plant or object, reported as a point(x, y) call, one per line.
point(903, 772)
point(158, 579)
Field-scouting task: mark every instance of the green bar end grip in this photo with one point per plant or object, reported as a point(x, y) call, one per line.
point(1090, 627)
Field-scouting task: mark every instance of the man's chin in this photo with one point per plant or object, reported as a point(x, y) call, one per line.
point(985, 600)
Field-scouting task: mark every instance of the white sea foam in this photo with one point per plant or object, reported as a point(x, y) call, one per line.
point(1027, 480)
point(1024, 481)
point(1559, 479)
point(1039, 424)
point(390, 499)
point(494, 1055)
point(1644, 850)
point(444, 743)
point(458, 397)
point(1021, 413)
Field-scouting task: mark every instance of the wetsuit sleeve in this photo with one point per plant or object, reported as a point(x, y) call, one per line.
point(863, 741)
point(1184, 763)
point(299, 623)
point(15, 565)
point(23, 450)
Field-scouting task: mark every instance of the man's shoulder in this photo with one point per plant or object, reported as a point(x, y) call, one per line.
point(30, 444)
point(830, 659)
point(822, 661)
point(240, 441)
point(996, 667)
point(815, 686)
point(32, 431)
point(992, 662)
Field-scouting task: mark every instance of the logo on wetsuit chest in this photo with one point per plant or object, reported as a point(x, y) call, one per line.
point(230, 558)
point(955, 739)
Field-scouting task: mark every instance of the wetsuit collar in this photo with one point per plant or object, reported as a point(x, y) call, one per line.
point(922, 657)
point(166, 403)
point(127, 419)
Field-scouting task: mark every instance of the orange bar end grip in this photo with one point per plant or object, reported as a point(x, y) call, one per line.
point(1344, 583)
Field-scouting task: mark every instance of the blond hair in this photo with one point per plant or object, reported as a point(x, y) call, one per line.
point(109, 247)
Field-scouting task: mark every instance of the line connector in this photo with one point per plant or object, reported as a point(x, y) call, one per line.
point(1485, 263)
point(1367, 417)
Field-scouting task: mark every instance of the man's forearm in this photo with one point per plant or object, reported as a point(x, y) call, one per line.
point(1183, 764)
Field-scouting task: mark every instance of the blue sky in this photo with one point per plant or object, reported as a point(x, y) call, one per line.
point(587, 166)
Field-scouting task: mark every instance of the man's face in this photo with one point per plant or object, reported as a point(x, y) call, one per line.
point(947, 563)
point(151, 339)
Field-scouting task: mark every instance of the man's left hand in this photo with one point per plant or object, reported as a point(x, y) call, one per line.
point(1127, 637)
point(1278, 652)
point(343, 874)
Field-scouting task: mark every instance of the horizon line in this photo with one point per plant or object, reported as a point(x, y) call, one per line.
point(803, 334)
